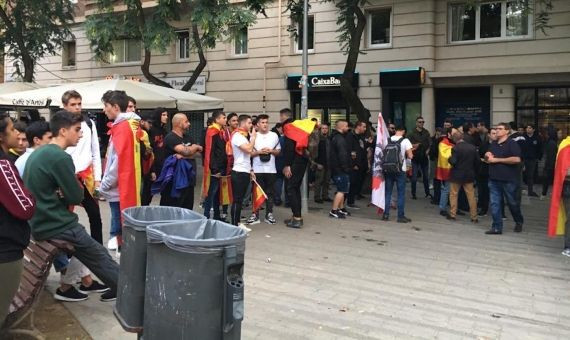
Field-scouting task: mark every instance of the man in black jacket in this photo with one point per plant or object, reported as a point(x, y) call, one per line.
point(483, 175)
point(465, 162)
point(420, 139)
point(359, 161)
point(532, 153)
point(217, 162)
point(340, 166)
point(322, 173)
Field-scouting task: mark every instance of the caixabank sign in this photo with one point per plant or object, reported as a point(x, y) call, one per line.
point(319, 81)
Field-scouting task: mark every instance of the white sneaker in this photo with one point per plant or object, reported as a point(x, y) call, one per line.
point(566, 252)
point(243, 226)
point(113, 244)
point(542, 197)
point(253, 219)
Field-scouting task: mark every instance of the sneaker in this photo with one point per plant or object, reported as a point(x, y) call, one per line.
point(243, 226)
point(493, 232)
point(269, 219)
point(108, 296)
point(353, 206)
point(223, 217)
point(112, 244)
point(566, 252)
point(429, 196)
point(542, 197)
point(253, 219)
point(336, 214)
point(294, 223)
point(482, 213)
point(404, 219)
point(504, 218)
point(414, 197)
point(443, 213)
point(95, 287)
point(344, 212)
point(70, 295)
point(532, 194)
point(385, 217)
point(518, 228)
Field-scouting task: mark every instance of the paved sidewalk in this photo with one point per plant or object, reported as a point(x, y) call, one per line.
point(362, 278)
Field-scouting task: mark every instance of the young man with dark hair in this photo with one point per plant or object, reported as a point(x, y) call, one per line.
point(504, 156)
point(447, 124)
point(265, 149)
point(16, 152)
point(359, 161)
point(340, 167)
point(215, 164)
point(38, 134)
point(50, 176)
point(532, 153)
point(242, 173)
point(420, 139)
point(285, 114)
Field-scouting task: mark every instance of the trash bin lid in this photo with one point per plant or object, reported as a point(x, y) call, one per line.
point(197, 237)
point(140, 218)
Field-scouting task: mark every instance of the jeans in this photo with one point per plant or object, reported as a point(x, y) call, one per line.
point(9, 281)
point(469, 192)
point(444, 196)
point(509, 189)
point(240, 182)
point(400, 180)
point(213, 198)
point(530, 169)
point(91, 206)
point(92, 254)
point(422, 165)
point(321, 186)
point(115, 218)
point(483, 194)
point(267, 183)
point(294, 185)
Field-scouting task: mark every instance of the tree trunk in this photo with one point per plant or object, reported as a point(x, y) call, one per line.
point(28, 67)
point(346, 88)
point(18, 36)
point(201, 65)
point(145, 68)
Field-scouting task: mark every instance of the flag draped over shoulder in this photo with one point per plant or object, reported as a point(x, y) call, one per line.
point(557, 214)
point(127, 146)
point(258, 196)
point(378, 183)
point(148, 157)
point(214, 129)
point(443, 170)
point(299, 131)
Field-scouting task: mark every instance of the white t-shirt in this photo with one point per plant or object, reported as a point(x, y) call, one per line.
point(404, 146)
point(265, 140)
point(242, 160)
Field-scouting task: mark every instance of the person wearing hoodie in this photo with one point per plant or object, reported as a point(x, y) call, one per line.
point(121, 182)
point(550, 152)
point(340, 166)
point(532, 151)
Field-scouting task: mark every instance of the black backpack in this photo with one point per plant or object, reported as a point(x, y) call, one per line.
point(392, 161)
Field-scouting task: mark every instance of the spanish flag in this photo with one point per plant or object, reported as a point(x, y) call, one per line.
point(148, 157)
point(299, 131)
point(557, 215)
point(443, 170)
point(212, 130)
point(258, 196)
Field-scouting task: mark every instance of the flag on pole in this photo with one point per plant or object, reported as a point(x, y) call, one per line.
point(258, 196)
point(378, 183)
point(557, 215)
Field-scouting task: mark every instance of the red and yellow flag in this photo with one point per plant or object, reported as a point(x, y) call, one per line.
point(557, 214)
point(443, 170)
point(258, 196)
point(148, 157)
point(126, 144)
point(299, 131)
point(212, 130)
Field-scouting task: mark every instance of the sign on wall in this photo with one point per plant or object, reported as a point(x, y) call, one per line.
point(463, 105)
point(319, 81)
point(178, 82)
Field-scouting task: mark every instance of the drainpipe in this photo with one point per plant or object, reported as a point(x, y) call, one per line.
point(276, 61)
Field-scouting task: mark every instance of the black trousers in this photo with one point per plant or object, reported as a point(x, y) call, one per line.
point(186, 199)
point(267, 183)
point(294, 185)
point(146, 197)
point(356, 180)
point(240, 182)
point(530, 166)
point(483, 194)
point(91, 206)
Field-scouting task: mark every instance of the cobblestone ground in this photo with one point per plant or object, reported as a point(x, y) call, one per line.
point(362, 278)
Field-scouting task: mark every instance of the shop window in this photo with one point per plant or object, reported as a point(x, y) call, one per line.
point(183, 45)
point(68, 54)
point(125, 51)
point(240, 43)
point(379, 27)
point(543, 107)
point(489, 20)
point(310, 38)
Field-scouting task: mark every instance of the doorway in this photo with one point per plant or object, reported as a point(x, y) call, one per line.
point(325, 106)
point(403, 106)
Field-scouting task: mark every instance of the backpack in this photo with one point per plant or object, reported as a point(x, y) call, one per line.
point(391, 160)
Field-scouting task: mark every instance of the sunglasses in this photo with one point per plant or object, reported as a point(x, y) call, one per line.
point(421, 121)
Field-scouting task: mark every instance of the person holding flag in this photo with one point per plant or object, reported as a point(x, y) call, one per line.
point(378, 181)
point(443, 169)
point(295, 158)
point(265, 149)
point(560, 202)
point(215, 163)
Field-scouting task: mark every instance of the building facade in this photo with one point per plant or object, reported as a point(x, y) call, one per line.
point(435, 58)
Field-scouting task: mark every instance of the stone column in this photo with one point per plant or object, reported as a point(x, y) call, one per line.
point(502, 103)
point(428, 108)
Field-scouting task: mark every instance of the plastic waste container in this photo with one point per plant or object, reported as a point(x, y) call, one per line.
point(194, 284)
point(130, 289)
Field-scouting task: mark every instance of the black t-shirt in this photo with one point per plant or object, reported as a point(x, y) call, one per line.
point(172, 140)
point(501, 171)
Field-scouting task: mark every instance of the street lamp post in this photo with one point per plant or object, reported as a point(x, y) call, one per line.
point(304, 95)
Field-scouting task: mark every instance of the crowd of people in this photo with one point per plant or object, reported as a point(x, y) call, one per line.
point(49, 169)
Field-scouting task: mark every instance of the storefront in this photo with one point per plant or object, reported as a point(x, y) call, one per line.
point(326, 103)
point(543, 107)
point(402, 95)
point(463, 104)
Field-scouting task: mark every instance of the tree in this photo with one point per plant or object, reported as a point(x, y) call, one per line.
point(209, 21)
point(33, 30)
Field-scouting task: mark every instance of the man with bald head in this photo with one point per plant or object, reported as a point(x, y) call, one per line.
point(179, 143)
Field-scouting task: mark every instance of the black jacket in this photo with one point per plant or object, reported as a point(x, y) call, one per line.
point(422, 138)
point(465, 163)
point(474, 139)
point(339, 155)
point(324, 145)
point(290, 155)
point(355, 143)
point(532, 147)
point(483, 172)
point(550, 152)
point(218, 157)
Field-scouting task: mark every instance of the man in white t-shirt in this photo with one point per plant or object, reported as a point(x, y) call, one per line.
point(399, 178)
point(265, 149)
point(242, 173)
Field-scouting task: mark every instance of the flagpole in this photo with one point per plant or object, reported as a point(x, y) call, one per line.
point(304, 97)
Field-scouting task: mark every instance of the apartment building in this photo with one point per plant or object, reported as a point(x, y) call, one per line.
point(435, 58)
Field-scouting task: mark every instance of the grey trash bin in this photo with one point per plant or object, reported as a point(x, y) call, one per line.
point(194, 284)
point(130, 293)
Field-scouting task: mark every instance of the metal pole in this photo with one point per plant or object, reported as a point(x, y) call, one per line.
point(304, 96)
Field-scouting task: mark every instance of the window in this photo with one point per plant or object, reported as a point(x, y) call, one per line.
point(543, 107)
point(240, 42)
point(379, 27)
point(311, 35)
point(125, 51)
point(183, 45)
point(489, 20)
point(68, 54)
